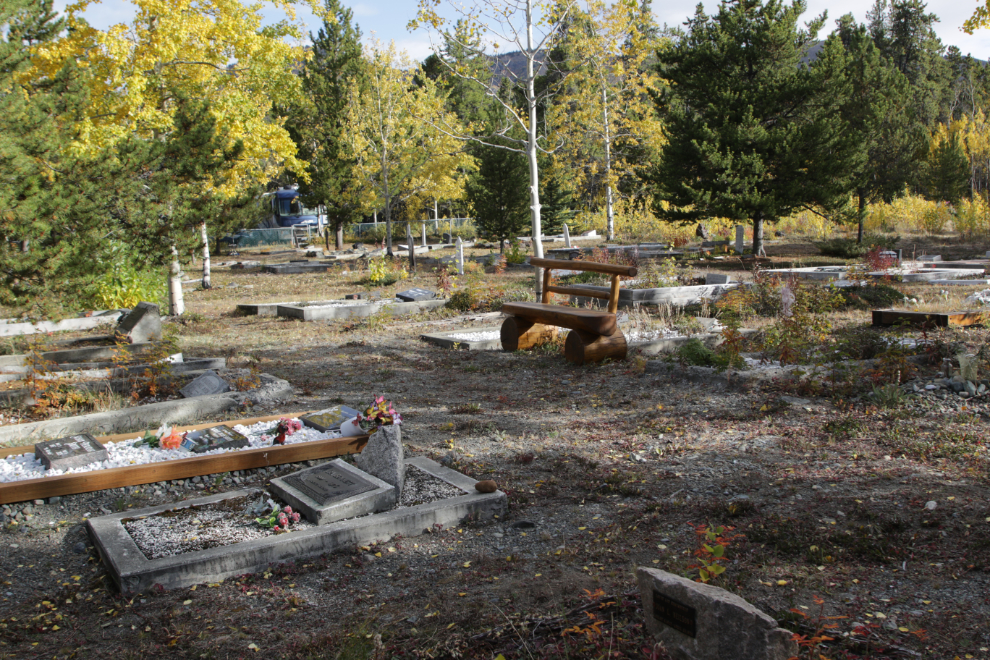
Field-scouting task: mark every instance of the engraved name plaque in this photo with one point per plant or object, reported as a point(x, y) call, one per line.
point(674, 614)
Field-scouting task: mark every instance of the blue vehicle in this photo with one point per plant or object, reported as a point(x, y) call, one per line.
point(284, 208)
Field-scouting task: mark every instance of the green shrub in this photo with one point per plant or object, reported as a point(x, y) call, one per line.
point(873, 296)
point(848, 248)
point(124, 285)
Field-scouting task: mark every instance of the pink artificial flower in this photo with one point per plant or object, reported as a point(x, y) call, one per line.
point(288, 509)
point(277, 529)
point(171, 441)
point(295, 517)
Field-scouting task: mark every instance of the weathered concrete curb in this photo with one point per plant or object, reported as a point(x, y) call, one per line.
point(262, 309)
point(657, 346)
point(372, 501)
point(179, 411)
point(132, 572)
point(12, 329)
point(443, 340)
point(101, 370)
point(295, 268)
point(70, 355)
point(671, 295)
point(341, 312)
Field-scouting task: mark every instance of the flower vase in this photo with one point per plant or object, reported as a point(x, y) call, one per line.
point(350, 428)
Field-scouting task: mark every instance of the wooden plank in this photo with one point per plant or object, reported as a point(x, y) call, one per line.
point(593, 266)
point(886, 317)
point(597, 322)
point(578, 291)
point(547, 285)
point(183, 468)
point(613, 298)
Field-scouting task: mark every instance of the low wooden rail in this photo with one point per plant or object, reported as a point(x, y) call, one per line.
point(181, 468)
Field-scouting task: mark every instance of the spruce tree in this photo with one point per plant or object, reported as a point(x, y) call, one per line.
point(320, 124)
point(753, 133)
point(497, 192)
point(945, 172)
point(880, 113)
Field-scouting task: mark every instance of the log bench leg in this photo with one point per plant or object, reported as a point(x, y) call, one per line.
point(581, 347)
point(518, 334)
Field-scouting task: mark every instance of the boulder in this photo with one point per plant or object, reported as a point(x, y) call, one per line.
point(383, 457)
point(142, 324)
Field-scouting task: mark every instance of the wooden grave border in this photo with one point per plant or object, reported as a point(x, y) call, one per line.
point(181, 468)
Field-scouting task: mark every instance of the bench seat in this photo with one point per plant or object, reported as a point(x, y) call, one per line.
point(574, 318)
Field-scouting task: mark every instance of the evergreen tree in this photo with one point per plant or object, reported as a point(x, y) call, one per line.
point(497, 192)
point(945, 172)
point(320, 124)
point(879, 112)
point(752, 132)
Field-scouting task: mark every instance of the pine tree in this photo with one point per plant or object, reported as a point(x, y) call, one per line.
point(879, 111)
point(497, 192)
point(320, 124)
point(945, 172)
point(753, 133)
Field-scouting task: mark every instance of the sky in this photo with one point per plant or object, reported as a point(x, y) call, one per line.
point(387, 19)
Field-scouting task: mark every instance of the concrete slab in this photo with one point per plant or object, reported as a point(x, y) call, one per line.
point(671, 344)
point(340, 312)
point(673, 295)
point(334, 491)
point(262, 309)
point(139, 418)
point(451, 339)
point(14, 328)
point(980, 282)
point(295, 269)
point(132, 572)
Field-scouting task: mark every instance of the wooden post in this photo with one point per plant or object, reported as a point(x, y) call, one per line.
point(547, 283)
point(412, 248)
point(613, 299)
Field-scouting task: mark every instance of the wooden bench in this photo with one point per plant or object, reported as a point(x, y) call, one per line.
point(594, 335)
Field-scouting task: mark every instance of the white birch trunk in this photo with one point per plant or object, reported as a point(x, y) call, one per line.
point(206, 256)
point(609, 209)
point(176, 305)
point(534, 169)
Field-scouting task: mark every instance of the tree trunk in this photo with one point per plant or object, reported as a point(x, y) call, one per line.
point(609, 209)
point(412, 249)
point(206, 257)
point(534, 169)
point(862, 216)
point(388, 210)
point(176, 305)
point(757, 234)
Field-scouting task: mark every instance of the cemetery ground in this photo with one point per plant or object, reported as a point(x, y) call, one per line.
point(881, 514)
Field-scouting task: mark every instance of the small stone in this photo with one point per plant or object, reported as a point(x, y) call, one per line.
point(524, 524)
point(931, 505)
point(486, 486)
point(367, 558)
point(39, 502)
point(79, 548)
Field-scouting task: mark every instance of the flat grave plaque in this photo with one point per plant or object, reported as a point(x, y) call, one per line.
point(329, 419)
point(327, 484)
point(216, 437)
point(208, 383)
point(70, 452)
point(675, 614)
point(414, 295)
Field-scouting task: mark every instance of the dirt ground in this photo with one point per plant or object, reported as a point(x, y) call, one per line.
point(882, 515)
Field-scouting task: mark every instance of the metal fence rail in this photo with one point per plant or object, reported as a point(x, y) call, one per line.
point(432, 226)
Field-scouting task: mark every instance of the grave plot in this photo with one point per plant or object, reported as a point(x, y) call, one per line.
point(215, 449)
point(468, 339)
point(905, 274)
point(671, 295)
point(262, 309)
point(887, 317)
point(207, 539)
point(17, 327)
point(296, 268)
point(336, 310)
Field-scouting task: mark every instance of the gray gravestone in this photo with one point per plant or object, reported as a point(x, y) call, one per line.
point(567, 236)
point(696, 621)
point(424, 234)
point(412, 295)
point(208, 383)
point(73, 451)
point(329, 419)
point(383, 458)
point(216, 437)
point(447, 238)
point(740, 238)
point(717, 278)
point(460, 256)
point(334, 491)
point(142, 324)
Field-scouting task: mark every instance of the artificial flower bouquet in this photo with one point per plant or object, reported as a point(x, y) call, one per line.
point(284, 427)
point(166, 437)
point(380, 413)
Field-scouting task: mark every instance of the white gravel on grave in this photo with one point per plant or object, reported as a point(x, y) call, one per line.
point(487, 335)
point(123, 453)
point(189, 529)
point(651, 335)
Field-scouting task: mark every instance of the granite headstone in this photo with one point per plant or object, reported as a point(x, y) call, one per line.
point(73, 451)
point(142, 324)
point(216, 437)
point(383, 457)
point(206, 384)
point(329, 419)
point(412, 295)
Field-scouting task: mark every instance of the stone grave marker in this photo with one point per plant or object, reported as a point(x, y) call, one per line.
point(70, 452)
point(567, 236)
point(424, 234)
point(740, 238)
point(142, 324)
point(460, 256)
point(413, 295)
point(204, 385)
point(447, 238)
point(717, 278)
point(696, 621)
point(329, 419)
point(334, 491)
point(383, 457)
point(216, 437)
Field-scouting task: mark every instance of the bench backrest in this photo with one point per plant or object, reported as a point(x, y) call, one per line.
point(615, 270)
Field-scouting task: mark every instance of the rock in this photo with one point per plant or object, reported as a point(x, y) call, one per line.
point(697, 621)
point(142, 324)
point(701, 232)
point(931, 505)
point(523, 524)
point(970, 387)
point(795, 401)
point(486, 486)
point(79, 548)
point(383, 457)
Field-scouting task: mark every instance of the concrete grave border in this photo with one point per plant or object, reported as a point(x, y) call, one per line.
point(443, 339)
point(263, 309)
point(381, 497)
point(13, 328)
point(357, 311)
point(672, 295)
point(133, 573)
